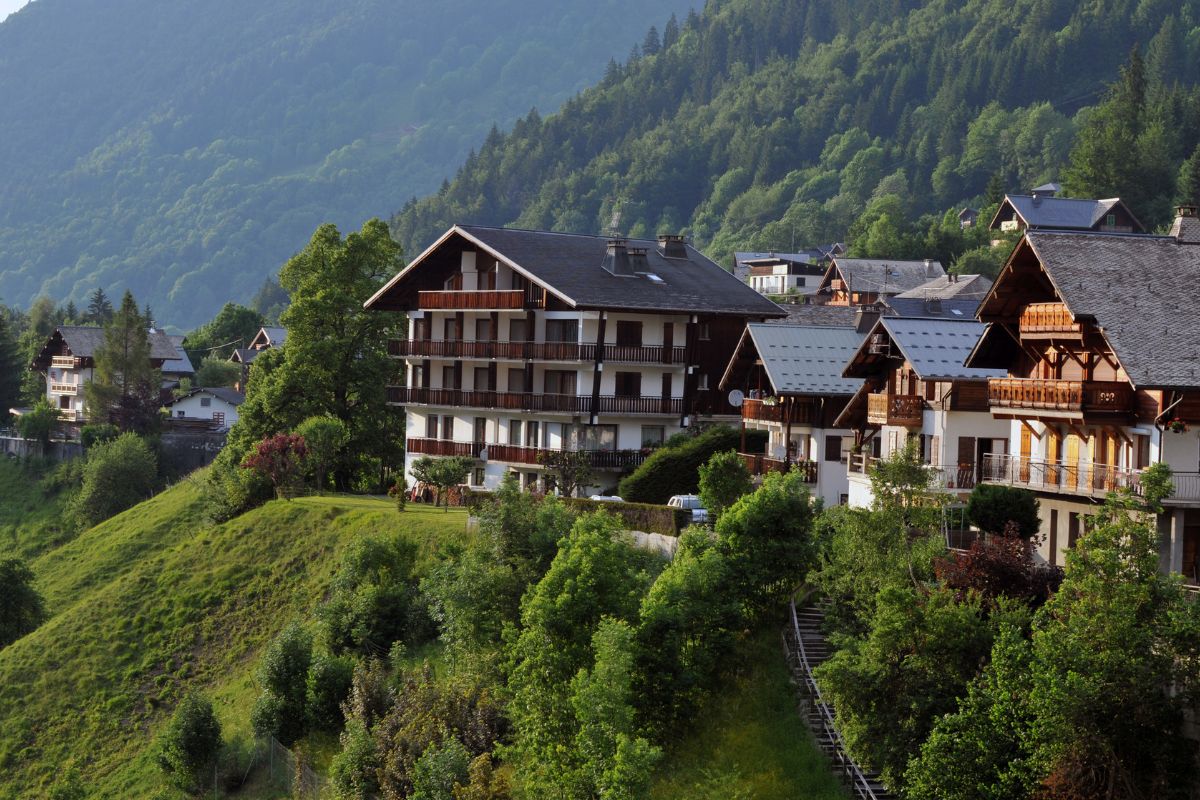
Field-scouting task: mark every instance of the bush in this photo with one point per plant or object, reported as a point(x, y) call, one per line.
point(637, 516)
point(329, 680)
point(723, 479)
point(281, 710)
point(99, 433)
point(39, 423)
point(189, 746)
point(373, 597)
point(21, 608)
point(231, 490)
point(352, 771)
point(438, 769)
point(675, 469)
point(117, 475)
point(991, 507)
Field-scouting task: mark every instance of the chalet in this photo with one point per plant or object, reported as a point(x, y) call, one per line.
point(1100, 344)
point(790, 380)
point(968, 217)
point(215, 406)
point(175, 370)
point(781, 275)
point(523, 342)
point(67, 359)
point(1042, 210)
point(268, 337)
point(948, 297)
point(821, 254)
point(913, 385)
point(862, 281)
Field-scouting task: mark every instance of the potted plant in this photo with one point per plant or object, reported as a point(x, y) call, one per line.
point(1176, 425)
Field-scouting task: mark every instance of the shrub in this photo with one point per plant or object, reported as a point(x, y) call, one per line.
point(723, 479)
point(352, 771)
point(231, 490)
point(675, 469)
point(117, 475)
point(21, 608)
point(638, 516)
point(329, 680)
point(438, 769)
point(190, 744)
point(991, 507)
point(281, 710)
point(279, 459)
point(372, 599)
point(1003, 566)
point(39, 422)
point(99, 433)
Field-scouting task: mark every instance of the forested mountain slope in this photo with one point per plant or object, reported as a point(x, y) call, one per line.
point(184, 150)
point(773, 123)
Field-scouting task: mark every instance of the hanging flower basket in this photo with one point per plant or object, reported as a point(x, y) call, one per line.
point(1177, 426)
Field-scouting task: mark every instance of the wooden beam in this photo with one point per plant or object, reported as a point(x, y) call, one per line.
point(1032, 431)
point(1120, 434)
point(1078, 431)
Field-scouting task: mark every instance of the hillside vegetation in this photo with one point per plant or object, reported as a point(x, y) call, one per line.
point(773, 124)
point(153, 603)
point(185, 150)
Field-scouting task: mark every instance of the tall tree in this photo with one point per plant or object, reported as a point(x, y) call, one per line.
point(11, 368)
point(125, 385)
point(336, 362)
point(233, 326)
point(100, 308)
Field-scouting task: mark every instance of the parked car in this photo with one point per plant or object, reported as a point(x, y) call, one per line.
point(606, 498)
point(690, 502)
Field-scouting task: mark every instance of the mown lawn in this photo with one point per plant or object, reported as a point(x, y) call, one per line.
point(154, 603)
point(749, 743)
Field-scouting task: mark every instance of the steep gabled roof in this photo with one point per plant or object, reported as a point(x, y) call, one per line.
point(936, 349)
point(571, 267)
point(231, 396)
point(82, 341)
point(1139, 291)
point(881, 275)
point(1062, 213)
point(801, 359)
point(243, 356)
point(182, 365)
point(947, 287)
point(269, 336)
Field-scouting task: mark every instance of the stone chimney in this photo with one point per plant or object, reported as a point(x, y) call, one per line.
point(672, 246)
point(616, 260)
point(865, 318)
point(929, 273)
point(1186, 229)
point(637, 259)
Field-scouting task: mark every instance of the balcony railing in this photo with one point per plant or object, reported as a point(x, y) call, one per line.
point(762, 465)
point(535, 351)
point(1079, 397)
point(800, 413)
point(528, 401)
point(70, 415)
point(64, 388)
point(517, 454)
point(1081, 478)
point(1042, 319)
point(949, 477)
point(894, 409)
point(499, 299)
point(66, 362)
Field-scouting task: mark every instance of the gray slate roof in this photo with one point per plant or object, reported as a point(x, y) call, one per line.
point(243, 356)
point(806, 359)
point(947, 287)
point(571, 265)
point(936, 349)
point(83, 341)
point(817, 314)
point(231, 396)
point(1140, 290)
point(914, 308)
point(1062, 213)
point(885, 276)
point(181, 365)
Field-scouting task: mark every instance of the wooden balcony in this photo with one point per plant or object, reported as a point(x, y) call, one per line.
point(534, 351)
point(1062, 398)
point(797, 413)
point(71, 415)
point(759, 464)
point(64, 362)
point(64, 388)
point(498, 300)
point(895, 409)
point(517, 454)
point(535, 402)
point(1049, 320)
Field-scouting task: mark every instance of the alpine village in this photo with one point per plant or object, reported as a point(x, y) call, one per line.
point(448, 402)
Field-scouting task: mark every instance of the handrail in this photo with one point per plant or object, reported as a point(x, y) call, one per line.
point(860, 784)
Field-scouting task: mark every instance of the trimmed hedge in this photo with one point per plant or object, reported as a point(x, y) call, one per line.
point(676, 469)
point(638, 516)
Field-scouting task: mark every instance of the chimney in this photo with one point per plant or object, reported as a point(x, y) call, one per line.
point(865, 318)
point(929, 268)
point(672, 246)
point(1186, 229)
point(637, 259)
point(616, 260)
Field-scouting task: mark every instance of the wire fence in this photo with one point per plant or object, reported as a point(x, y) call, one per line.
point(289, 772)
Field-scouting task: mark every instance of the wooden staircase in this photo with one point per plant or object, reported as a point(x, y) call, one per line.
point(805, 646)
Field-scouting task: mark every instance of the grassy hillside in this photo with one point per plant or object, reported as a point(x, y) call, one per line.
point(154, 602)
point(31, 517)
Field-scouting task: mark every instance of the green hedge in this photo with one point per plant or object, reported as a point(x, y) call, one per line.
point(676, 469)
point(638, 516)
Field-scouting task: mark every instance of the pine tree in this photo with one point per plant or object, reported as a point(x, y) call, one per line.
point(11, 369)
point(1189, 179)
point(100, 308)
point(995, 191)
point(670, 32)
point(651, 44)
point(125, 385)
point(71, 313)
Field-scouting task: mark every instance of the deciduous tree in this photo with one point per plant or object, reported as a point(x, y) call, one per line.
point(278, 458)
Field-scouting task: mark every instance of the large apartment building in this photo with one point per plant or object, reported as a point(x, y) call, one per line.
point(1099, 341)
point(523, 342)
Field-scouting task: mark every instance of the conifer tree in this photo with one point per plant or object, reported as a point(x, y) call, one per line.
point(651, 44)
point(125, 385)
point(670, 32)
point(1189, 179)
point(11, 369)
point(100, 308)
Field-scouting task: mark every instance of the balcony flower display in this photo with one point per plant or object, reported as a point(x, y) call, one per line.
point(1176, 425)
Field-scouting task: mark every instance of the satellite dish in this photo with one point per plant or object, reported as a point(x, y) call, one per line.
point(483, 455)
point(736, 398)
